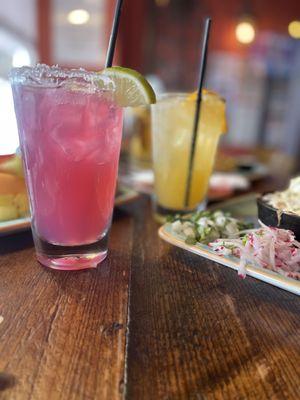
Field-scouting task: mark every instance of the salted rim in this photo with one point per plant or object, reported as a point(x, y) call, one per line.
point(55, 76)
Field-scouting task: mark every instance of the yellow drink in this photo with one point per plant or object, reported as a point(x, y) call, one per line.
point(172, 127)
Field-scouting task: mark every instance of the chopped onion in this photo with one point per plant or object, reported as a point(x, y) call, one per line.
point(271, 248)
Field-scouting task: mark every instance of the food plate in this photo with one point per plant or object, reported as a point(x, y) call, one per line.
point(123, 196)
point(253, 170)
point(14, 226)
point(242, 207)
point(264, 275)
point(140, 180)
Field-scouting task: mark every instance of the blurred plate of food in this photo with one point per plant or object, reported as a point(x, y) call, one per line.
point(234, 172)
point(140, 180)
point(9, 226)
point(14, 226)
point(223, 185)
point(14, 204)
point(241, 162)
point(124, 195)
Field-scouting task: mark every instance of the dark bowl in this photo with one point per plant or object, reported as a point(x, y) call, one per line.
point(271, 217)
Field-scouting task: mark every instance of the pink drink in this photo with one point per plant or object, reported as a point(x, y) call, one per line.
point(70, 133)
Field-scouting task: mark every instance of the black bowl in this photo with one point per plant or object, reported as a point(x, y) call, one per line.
point(271, 216)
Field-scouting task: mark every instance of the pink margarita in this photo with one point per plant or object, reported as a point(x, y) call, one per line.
point(70, 133)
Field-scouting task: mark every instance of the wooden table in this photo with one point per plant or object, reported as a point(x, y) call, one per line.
point(152, 322)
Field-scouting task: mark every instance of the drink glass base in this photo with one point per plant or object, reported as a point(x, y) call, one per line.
point(72, 263)
point(70, 258)
point(162, 213)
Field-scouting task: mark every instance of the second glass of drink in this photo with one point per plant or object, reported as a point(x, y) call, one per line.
point(172, 129)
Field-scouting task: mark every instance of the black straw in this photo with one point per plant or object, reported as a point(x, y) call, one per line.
point(113, 35)
point(198, 108)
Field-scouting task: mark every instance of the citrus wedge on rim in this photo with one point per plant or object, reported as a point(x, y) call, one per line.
point(131, 88)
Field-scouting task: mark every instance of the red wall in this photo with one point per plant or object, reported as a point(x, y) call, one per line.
point(269, 15)
point(177, 28)
point(152, 36)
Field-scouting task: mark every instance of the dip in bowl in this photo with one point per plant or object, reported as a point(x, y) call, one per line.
point(282, 209)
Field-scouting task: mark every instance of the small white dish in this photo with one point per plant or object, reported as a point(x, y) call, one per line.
point(202, 250)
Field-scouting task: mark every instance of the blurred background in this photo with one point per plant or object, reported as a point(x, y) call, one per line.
point(254, 58)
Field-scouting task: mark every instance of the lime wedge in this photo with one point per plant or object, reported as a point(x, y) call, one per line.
point(132, 89)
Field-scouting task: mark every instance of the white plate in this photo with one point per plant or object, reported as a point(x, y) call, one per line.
point(15, 225)
point(124, 195)
point(265, 275)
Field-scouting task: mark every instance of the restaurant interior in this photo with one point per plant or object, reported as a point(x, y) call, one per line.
point(253, 56)
point(155, 321)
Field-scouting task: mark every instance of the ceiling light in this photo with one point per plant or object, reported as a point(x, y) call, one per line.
point(245, 32)
point(78, 17)
point(294, 29)
point(162, 3)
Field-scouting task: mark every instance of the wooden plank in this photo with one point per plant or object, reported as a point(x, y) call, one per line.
point(197, 331)
point(63, 333)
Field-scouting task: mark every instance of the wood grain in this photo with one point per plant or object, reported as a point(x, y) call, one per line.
point(63, 333)
point(152, 322)
point(197, 331)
